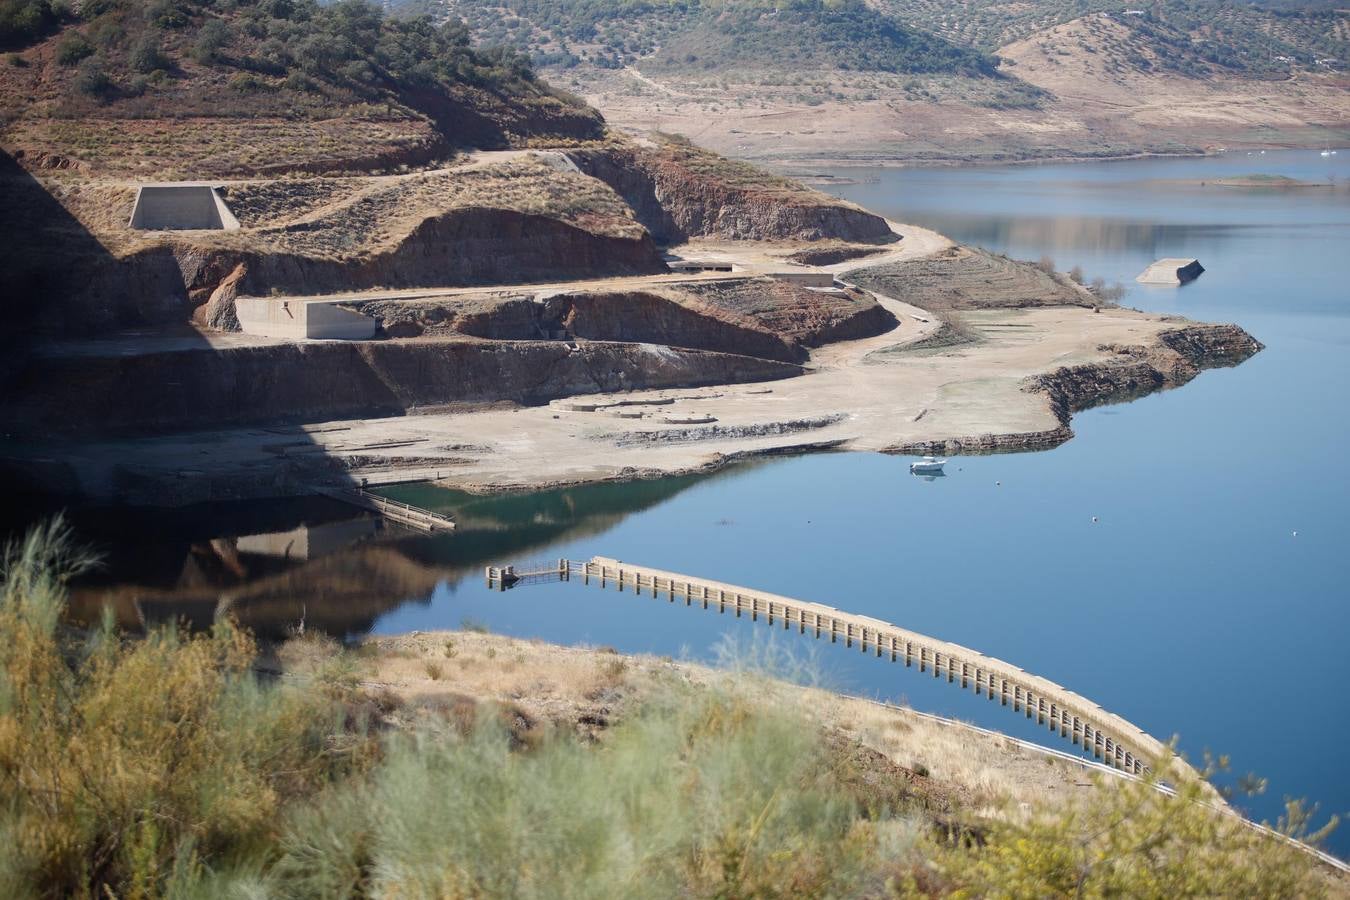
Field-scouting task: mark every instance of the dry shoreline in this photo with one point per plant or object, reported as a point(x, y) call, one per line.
point(1016, 388)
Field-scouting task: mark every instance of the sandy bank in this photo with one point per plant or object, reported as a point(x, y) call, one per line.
point(588, 690)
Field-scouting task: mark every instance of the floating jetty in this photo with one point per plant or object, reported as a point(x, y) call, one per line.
point(1172, 270)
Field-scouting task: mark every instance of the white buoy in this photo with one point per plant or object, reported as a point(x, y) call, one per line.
point(1295, 534)
point(1094, 518)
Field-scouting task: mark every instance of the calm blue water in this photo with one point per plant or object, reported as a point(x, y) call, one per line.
point(1190, 607)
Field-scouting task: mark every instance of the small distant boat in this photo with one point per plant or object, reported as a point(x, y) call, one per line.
point(927, 466)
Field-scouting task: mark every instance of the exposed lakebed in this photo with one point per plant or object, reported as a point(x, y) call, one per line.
point(1189, 606)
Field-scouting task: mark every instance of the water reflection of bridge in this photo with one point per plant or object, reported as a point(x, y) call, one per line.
point(1105, 735)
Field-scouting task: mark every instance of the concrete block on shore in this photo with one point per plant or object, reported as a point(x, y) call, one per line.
point(1173, 270)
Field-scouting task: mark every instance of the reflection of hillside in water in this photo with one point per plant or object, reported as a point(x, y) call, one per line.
point(315, 563)
point(1112, 236)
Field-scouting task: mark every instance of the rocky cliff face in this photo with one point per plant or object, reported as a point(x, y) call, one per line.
point(679, 194)
point(187, 390)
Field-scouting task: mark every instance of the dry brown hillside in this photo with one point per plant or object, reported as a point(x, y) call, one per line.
point(1088, 88)
point(149, 89)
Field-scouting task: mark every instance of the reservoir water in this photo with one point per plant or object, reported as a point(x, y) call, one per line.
point(1208, 600)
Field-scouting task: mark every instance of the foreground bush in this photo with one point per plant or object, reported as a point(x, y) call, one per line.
point(127, 764)
point(164, 767)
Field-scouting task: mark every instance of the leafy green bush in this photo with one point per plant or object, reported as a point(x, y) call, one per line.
point(145, 55)
point(72, 48)
point(93, 81)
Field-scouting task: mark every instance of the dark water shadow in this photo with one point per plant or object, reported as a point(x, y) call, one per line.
point(278, 566)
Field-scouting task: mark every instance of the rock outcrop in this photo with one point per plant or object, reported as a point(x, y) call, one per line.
point(1178, 356)
point(680, 193)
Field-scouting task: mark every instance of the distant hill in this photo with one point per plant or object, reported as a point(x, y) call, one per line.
point(702, 36)
point(1269, 38)
point(268, 86)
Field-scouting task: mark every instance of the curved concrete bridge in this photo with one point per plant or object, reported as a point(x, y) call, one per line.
point(1106, 735)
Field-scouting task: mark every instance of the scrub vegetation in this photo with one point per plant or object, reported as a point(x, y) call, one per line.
point(698, 36)
point(167, 765)
point(268, 86)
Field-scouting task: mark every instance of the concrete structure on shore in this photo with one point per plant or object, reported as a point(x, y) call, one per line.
point(811, 278)
point(185, 206)
point(1108, 737)
point(299, 319)
point(1172, 270)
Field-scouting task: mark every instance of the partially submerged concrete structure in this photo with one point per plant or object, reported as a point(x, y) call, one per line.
point(184, 206)
point(812, 278)
point(1171, 271)
point(297, 319)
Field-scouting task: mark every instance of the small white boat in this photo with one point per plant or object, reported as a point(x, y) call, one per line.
point(927, 465)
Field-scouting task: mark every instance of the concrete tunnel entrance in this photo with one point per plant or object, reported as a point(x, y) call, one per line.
point(181, 207)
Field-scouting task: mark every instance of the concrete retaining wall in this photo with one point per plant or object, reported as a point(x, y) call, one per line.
point(302, 319)
point(181, 207)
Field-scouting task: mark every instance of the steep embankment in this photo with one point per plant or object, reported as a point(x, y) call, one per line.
point(186, 390)
point(679, 191)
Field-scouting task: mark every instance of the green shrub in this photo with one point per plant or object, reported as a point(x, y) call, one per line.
point(24, 21)
point(145, 56)
point(125, 763)
point(72, 48)
point(213, 37)
point(91, 80)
